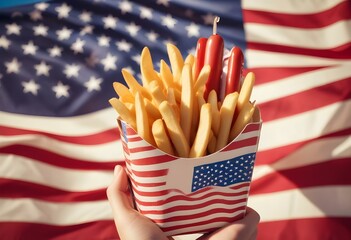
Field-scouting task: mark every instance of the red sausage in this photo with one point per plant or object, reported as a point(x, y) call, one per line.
point(235, 70)
point(214, 58)
point(200, 55)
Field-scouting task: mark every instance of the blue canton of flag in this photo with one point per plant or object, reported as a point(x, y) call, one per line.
point(224, 173)
point(60, 58)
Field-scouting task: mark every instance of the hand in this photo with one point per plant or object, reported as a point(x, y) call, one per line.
point(132, 225)
point(243, 229)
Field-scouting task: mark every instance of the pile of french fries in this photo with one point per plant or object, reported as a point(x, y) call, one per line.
point(168, 109)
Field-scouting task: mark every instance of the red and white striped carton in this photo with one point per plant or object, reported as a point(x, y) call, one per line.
point(191, 195)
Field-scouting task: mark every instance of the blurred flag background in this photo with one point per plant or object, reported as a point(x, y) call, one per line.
point(58, 136)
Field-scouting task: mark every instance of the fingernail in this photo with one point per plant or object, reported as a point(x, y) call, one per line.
point(117, 170)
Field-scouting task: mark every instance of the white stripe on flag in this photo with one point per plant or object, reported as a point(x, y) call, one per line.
point(289, 130)
point(293, 7)
point(299, 83)
point(92, 153)
point(24, 169)
point(54, 213)
point(301, 203)
point(300, 37)
point(259, 58)
point(69, 126)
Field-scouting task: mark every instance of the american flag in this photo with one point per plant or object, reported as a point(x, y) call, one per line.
point(185, 195)
point(59, 141)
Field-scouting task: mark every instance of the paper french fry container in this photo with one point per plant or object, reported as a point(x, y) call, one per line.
point(191, 195)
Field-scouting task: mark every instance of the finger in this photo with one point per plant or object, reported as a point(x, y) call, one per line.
point(118, 196)
point(130, 224)
point(243, 229)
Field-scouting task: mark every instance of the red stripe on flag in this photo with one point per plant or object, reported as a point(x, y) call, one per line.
point(56, 159)
point(314, 20)
point(200, 223)
point(331, 172)
point(25, 230)
point(265, 75)
point(242, 143)
point(310, 228)
point(11, 188)
point(195, 206)
point(339, 53)
point(273, 155)
point(199, 215)
point(285, 106)
point(106, 136)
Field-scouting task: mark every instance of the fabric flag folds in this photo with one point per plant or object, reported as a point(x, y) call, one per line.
point(59, 140)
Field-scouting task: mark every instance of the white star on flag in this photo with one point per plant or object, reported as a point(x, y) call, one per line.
point(93, 84)
point(13, 29)
point(125, 7)
point(42, 69)
point(13, 66)
point(123, 45)
point(168, 21)
point(71, 70)
point(63, 10)
point(64, 33)
point(109, 62)
point(85, 16)
point(110, 22)
point(30, 87)
point(29, 48)
point(4, 42)
point(193, 30)
point(55, 51)
point(61, 90)
point(78, 45)
point(41, 6)
point(145, 13)
point(104, 41)
point(152, 36)
point(40, 30)
point(133, 29)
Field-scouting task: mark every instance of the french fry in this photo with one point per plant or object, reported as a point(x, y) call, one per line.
point(142, 120)
point(151, 110)
point(123, 92)
point(212, 99)
point(171, 99)
point(123, 112)
point(194, 120)
point(134, 85)
point(187, 101)
point(161, 137)
point(175, 131)
point(211, 148)
point(177, 62)
point(202, 138)
point(130, 106)
point(147, 68)
point(156, 93)
point(200, 99)
point(189, 60)
point(202, 78)
point(246, 90)
point(166, 75)
point(226, 118)
point(243, 118)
